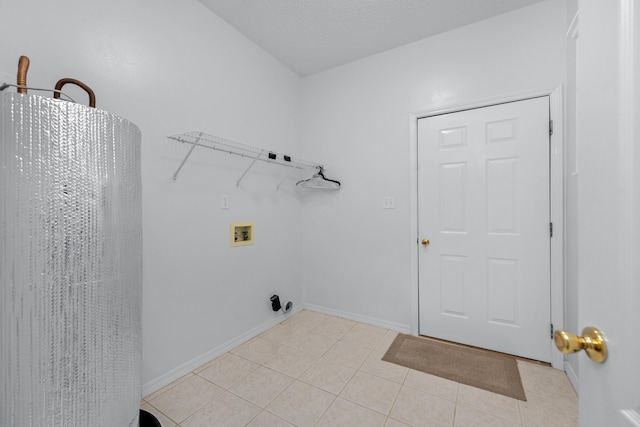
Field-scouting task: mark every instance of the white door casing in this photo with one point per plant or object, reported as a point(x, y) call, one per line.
point(483, 202)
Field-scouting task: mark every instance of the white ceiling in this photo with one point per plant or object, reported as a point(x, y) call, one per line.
point(314, 35)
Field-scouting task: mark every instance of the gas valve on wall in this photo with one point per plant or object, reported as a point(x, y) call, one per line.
point(276, 306)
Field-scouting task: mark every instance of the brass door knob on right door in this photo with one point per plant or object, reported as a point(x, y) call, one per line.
point(592, 341)
point(425, 242)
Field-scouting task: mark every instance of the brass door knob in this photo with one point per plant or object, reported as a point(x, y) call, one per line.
point(425, 242)
point(592, 341)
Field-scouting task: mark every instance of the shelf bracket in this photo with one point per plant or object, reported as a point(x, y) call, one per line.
point(293, 169)
point(175, 175)
point(249, 168)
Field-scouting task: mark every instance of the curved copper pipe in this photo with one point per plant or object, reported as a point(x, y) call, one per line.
point(62, 82)
point(23, 66)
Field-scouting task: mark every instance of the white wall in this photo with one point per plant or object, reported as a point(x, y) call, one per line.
point(356, 117)
point(173, 66)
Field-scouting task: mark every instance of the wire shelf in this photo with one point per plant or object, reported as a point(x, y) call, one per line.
point(201, 139)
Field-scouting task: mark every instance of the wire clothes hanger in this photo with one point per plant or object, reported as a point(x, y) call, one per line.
point(319, 182)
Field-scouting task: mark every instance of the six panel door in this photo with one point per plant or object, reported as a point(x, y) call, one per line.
point(483, 184)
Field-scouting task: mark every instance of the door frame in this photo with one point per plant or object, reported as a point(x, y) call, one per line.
point(556, 199)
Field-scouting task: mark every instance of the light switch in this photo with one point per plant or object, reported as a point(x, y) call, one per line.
point(388, 203)
point(224, 202)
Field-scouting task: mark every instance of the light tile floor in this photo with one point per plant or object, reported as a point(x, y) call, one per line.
point(318, 370)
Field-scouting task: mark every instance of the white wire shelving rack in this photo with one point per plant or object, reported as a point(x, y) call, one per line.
point(201, 139)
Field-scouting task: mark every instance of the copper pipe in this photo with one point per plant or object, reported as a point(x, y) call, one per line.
point(23, 66)
point(62, 82)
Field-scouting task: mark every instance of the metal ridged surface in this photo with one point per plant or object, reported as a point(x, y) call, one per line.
point(70, 265)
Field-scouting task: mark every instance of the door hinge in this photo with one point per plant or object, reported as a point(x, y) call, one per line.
point(550, 229)
point(550, 127)
point(551, 331)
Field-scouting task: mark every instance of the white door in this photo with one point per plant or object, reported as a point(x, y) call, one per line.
point(608, 140)
point(483, 204)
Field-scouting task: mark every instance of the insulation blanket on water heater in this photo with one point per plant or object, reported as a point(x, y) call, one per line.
point(70, 265)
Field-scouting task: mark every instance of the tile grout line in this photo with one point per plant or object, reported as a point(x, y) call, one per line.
point(228, 390)
point(328, 407)
point(165, 414)
point(395, 399)
point(315, 357)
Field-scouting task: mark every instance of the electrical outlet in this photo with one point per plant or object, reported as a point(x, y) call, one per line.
point(224, 202)
point(388, 203)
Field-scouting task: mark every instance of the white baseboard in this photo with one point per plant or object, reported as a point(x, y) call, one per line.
point(165, 379)
point(399, 327)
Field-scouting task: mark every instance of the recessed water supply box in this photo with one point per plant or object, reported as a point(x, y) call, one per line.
point(242, 233)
